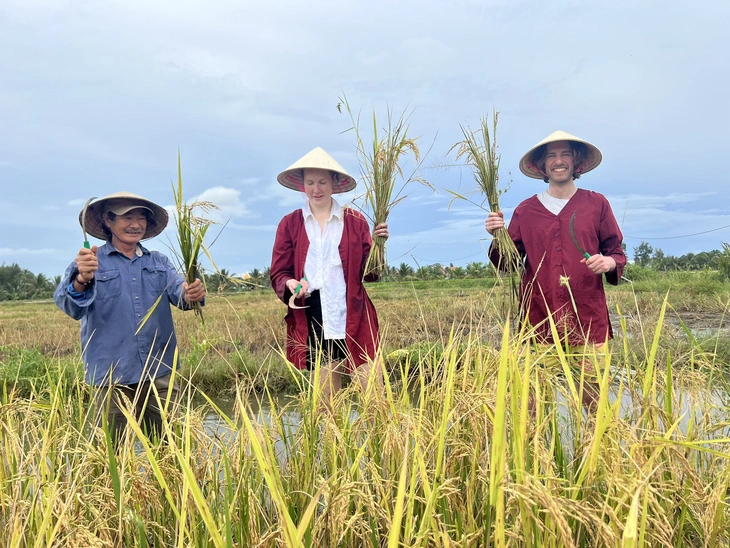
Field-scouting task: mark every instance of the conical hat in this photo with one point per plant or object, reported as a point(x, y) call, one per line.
point(593, 155)
point(120, 203)
point(318, 158)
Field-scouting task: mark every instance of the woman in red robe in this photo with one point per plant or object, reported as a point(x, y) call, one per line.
point(317, 269)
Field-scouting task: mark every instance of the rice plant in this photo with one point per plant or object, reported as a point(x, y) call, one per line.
point(447, 454)
point(479, 150)
point(381, 169)
point(191, 231)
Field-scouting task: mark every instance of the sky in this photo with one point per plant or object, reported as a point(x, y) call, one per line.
point(99, 96)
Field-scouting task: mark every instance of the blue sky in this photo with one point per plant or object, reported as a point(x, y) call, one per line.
point(97, 97)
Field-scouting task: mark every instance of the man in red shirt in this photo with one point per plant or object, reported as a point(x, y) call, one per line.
point(562, 284)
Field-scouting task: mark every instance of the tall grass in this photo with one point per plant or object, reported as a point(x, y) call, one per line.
point(453, 457)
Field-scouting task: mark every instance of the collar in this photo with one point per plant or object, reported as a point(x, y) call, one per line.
point(108, 249)
point(336, 212)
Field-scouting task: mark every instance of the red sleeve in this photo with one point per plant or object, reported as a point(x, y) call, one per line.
point(361, 240)
point(610, 239)
point(367, 244)
point(282, 259)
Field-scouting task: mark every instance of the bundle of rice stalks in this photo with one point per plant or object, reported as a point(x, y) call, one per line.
point(380, 168)
point(191, 231)
point(479, 149)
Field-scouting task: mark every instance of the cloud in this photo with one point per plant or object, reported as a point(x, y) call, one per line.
point(98, 97)
point(228, 200)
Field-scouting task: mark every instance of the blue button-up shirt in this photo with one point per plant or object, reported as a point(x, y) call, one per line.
point(111, 310)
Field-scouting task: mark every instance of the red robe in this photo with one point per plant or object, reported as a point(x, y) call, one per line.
point(287, 262)
point(543, 239)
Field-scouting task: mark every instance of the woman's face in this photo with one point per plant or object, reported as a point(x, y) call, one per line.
point(318, 185)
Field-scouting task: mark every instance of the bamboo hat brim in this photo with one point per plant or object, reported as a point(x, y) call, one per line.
point(120, 203)
point(318, 158)
point(593, 156)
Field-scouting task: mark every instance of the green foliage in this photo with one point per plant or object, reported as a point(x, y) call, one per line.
point(638, 273)
point(215, 372)
point(642, 254)
point(686, 283)
point(25, 368)
point(723, 261)
point(20, 284)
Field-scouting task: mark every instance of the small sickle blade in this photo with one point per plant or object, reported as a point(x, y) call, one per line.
point(294, 296)
point(575, 240)
point(87, 245)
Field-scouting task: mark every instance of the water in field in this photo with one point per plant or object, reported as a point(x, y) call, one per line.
point(696, 407)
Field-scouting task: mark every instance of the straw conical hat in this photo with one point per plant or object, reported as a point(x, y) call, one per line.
point(318, 158)
point(593, 155)
point(120, 203)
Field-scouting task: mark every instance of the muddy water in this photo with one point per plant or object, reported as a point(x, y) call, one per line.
point(693, 407)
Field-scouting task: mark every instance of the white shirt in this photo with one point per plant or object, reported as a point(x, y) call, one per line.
point(553, 205)
point(323, 268)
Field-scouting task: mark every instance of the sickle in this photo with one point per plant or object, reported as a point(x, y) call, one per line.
point(294, 296)
point(87, 245)
point(575, 240)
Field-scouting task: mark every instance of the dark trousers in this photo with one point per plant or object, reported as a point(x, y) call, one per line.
point(140, 399)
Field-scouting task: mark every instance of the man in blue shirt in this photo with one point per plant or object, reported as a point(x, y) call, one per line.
point(111, 289)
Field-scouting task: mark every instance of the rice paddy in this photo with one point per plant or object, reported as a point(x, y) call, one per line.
point(448, 454)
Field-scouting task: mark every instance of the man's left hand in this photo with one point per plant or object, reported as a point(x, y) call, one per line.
point(194, 292)
point(600, 264)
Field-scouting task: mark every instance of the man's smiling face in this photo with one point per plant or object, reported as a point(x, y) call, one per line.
point(128, 229)
point(559, 162)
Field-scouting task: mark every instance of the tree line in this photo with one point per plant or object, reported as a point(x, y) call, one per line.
point(17, 283)
point(652, 258)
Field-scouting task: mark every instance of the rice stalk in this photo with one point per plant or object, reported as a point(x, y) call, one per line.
point(191, 230)
point(380, 166)
point(479, 150)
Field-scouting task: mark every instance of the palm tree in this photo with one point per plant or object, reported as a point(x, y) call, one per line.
point(405, 270)
point(40, 286)
point(475, 269)
point(255, 278)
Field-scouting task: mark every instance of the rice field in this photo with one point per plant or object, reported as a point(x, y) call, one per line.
point(447, 454)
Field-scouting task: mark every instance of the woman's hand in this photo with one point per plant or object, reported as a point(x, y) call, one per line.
point(495, 220)
point(381, 231)
point(292, 285)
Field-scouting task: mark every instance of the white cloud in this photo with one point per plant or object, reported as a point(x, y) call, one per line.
point(228, 200)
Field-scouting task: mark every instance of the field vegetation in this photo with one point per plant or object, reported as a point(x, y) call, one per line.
point(447, 455)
